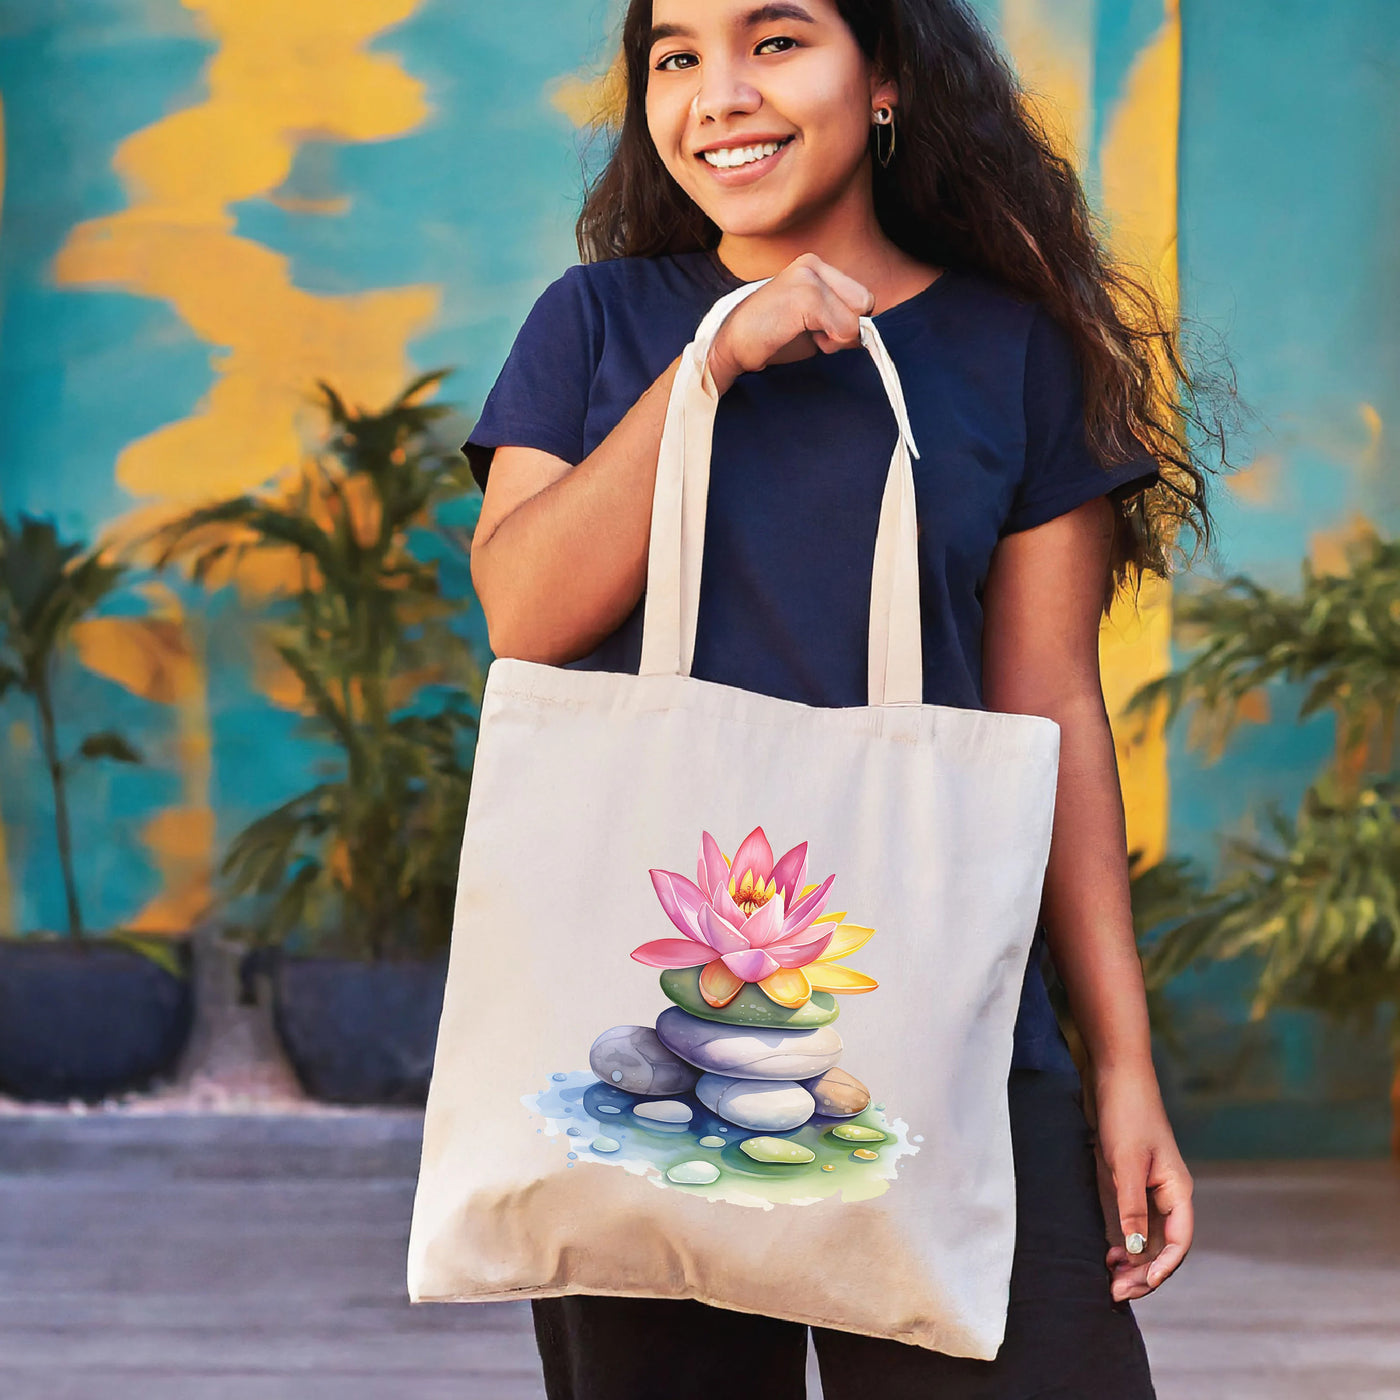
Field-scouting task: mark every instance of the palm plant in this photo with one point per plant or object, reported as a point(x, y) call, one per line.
point(1317, 900)
point(365, 860)
point(47, 587)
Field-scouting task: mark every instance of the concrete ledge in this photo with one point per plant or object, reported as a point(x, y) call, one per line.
point(359, 1144)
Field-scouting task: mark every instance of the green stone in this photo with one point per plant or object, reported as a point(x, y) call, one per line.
point(711, 1141)
point(853, 1132)
point(752, 1007)
point(605, 1144)
point(693, 1173)
point(772, 1149)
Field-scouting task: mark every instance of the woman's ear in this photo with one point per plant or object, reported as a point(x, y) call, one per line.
point(884, 92)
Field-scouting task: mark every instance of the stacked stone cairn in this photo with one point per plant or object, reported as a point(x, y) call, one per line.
point(760, 1066)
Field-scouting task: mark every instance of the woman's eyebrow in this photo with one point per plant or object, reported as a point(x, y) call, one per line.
point(764, 14)
point(669, 31)
point(777, 9)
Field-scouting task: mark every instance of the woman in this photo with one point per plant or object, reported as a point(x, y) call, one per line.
point(871, 157)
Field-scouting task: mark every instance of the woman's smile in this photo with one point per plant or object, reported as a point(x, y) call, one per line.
point(742, 164)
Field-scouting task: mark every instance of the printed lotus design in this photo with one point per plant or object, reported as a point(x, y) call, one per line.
point(753, 919)
point(737, 1091)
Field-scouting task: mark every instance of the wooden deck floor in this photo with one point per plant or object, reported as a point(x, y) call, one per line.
point(261, 1258)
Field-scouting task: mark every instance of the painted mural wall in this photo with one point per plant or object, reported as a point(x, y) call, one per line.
point(209, 205)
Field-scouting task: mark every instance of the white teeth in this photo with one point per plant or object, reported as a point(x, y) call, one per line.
point(730, 156)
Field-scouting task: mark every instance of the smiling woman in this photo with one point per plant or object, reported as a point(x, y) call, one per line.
point(709, 122)
point(872, 159)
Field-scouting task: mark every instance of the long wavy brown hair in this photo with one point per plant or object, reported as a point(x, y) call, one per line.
point(976, 184)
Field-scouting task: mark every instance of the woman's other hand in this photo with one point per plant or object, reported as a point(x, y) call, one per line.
point(808, 307)
point(1143, 1181)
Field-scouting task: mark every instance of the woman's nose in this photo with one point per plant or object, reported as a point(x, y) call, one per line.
point(722, 93)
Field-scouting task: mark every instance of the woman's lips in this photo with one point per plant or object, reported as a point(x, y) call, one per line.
point(753, 170)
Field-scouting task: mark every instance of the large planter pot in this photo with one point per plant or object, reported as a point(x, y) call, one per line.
point(359, 1032)
point(83, 1021)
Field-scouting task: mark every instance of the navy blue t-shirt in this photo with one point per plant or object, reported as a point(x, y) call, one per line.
point(798, 468)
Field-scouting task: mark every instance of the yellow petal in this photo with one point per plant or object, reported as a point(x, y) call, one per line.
point(834, 918)
point(846, 939)
point(832, 977)
point(788, 986)
point(718, 985)
point(806, 890)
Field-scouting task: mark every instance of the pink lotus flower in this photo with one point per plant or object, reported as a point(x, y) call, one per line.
point(753, 920)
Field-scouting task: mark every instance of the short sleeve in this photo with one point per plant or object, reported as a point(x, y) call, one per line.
point(1061, 471)
point(540, 397)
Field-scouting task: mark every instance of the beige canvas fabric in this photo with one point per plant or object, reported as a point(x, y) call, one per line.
point(568, 1146)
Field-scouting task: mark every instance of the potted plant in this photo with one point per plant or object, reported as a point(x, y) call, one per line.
point(1315, 901)
point(346, 889)
point(81, 1016)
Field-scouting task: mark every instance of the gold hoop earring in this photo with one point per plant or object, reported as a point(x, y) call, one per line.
point(884, 152)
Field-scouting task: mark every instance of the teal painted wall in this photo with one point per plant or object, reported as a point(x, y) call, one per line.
point(462, 178)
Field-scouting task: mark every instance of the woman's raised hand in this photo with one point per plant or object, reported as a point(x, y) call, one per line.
point(809, 306)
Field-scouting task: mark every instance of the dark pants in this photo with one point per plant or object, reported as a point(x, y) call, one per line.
point(1066, 1339)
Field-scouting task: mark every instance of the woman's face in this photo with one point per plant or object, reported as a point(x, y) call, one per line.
point(761, 112)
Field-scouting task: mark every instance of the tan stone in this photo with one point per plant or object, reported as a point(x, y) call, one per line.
point(838, 1094)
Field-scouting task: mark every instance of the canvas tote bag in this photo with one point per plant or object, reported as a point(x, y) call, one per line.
point(660, 1071)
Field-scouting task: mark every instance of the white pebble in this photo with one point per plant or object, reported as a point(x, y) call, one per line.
point(664, 1111)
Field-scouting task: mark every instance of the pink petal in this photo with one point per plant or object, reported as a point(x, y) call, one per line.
point(765, 924)
point(713, 872)
point(672, 952)
point(811, 934)
point(752, 964)
point(804, 911)
point(722, 936)
point(726, 907)
point(754, 854)
point(681, 900)
point(799, 954)
point(789, 872)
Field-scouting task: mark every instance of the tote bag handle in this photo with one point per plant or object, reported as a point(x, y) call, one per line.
point(895, 670)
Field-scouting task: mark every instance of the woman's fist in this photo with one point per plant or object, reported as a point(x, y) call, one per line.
point(809, 306)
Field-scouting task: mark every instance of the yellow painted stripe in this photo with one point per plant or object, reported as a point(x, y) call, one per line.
point(1139, 172)
point(1051, 43)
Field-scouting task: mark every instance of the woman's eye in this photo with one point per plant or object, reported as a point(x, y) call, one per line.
point(781, 39)
point(673, 62)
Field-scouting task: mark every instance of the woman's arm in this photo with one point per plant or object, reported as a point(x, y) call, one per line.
point(1042, 610)
point(1040, 655)
point(559, 554)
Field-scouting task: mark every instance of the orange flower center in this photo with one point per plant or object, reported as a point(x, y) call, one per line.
point(750, 894)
